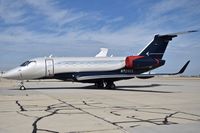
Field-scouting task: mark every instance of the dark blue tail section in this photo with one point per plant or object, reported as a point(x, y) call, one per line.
point(157, 47)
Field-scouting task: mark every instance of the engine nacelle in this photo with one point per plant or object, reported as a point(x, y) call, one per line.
point(142, 62)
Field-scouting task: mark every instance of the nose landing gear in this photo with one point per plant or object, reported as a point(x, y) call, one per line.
point(22, 87)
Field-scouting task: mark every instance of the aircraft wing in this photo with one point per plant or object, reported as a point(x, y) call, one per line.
point(121, 76)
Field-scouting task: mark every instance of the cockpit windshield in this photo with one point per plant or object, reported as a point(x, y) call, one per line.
point(26, 63)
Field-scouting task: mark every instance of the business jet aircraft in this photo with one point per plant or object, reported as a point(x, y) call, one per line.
point(101, 70)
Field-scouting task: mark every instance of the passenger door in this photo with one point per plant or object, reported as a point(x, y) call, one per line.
point(49, 65)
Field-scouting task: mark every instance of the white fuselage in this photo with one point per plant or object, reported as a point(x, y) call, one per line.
point(47, 67)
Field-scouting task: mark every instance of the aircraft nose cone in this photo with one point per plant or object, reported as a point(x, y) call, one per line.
point(10, 75)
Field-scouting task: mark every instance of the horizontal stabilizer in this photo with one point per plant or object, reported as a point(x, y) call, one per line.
point(180, 33)
point(179, 72)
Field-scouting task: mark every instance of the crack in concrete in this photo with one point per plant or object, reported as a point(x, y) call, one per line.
point(46, 130)
point(134, 126)
point(157, 121)
point(24, 114)
point(98, 117)
point(92, 105)
point(168, 116)
point(100, 130)
point(62, 106)
point(186, 118)
point(35, 129)
point(190, 114)
point(20, 106)
point(36, 121)
point(113, 112)
point(52, 109)
point(137, 120)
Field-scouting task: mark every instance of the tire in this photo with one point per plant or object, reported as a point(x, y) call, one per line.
point(110, 85)
point(99, 85)
point(22, 88)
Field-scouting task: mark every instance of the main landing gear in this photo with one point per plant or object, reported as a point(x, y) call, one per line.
point(22, 87)
point(105, 84)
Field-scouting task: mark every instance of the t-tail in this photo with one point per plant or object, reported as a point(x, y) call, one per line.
point(157, 47)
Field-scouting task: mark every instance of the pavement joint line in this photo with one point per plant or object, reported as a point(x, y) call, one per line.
point(120, 127)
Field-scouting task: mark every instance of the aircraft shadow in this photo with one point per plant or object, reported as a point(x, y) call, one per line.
point(118, 88)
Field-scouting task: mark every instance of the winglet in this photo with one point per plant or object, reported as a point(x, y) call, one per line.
point(183, 68)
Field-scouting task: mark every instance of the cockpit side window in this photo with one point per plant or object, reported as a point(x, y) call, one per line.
point(26, 63)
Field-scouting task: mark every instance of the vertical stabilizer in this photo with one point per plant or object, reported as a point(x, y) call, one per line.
point(157, 47)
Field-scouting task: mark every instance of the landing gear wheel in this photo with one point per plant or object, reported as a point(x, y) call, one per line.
point(107, 85)
point(110, 85)
point(22, 87)
point(99, 85)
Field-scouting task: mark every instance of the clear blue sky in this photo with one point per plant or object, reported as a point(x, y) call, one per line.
point(32, 28)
